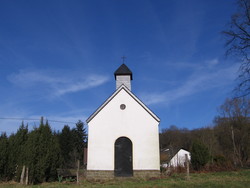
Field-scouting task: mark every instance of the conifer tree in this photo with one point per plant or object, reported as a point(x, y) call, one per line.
point(43, 154)
point(79, 135)
point(66, 146)
point(32, 155)
point(3, 156)
point(17, 150)
point(199, 155)
point(72, 143)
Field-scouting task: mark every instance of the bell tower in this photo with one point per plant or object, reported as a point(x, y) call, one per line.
point(123, 76)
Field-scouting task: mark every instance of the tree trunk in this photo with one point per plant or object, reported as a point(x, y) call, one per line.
point(232, 131)
point(22, 175)
point(187, 163)
point(236, 152)
point(77, 172)
point(27, 176)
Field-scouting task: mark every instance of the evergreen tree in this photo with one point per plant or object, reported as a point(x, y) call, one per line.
point(79, 135)
point(17, 150)
point(55, 158)
point(3, 156)
point(32, 155)
point(43, 155)
point(66, 146)
point(199, 155)
point(41, 151)
point(72, 143)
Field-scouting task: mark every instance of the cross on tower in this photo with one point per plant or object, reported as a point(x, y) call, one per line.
point(123, 59)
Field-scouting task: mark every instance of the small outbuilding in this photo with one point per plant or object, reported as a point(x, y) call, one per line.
point(178, 159)
point(123, 135)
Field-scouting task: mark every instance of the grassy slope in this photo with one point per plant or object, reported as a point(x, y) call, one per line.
point(219, 179)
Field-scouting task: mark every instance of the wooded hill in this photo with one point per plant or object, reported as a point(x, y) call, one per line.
point(227, 141)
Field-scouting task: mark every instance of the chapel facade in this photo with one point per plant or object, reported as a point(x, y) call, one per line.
point(123, 135)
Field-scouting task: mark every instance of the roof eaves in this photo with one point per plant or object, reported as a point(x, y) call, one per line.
point(143, 105)
point(132, 95)
point(104, 104)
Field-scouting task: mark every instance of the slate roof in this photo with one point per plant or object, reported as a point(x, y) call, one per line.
point(123, 70)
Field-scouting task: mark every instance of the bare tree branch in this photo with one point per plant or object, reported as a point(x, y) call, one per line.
point(238, 43)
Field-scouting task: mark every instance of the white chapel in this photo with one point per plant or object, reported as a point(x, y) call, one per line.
point(123, 135)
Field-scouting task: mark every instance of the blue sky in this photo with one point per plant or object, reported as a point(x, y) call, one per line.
point(57, 58)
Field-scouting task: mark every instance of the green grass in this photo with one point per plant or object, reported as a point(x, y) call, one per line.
point(233, 179)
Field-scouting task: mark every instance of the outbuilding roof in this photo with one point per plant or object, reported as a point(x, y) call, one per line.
point(123, 70)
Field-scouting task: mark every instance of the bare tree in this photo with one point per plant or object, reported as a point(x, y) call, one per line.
point(238, 43)
point(235, 114)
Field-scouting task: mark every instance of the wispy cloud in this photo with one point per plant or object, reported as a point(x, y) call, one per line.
point(35, 85)
point(59, 83)
point(11, 123)
point(212, 62)
point(207, 64)
point(82, 84)
point(12, 115)
point(203, 78)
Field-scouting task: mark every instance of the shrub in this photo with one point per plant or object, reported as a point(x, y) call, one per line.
point(199, 155)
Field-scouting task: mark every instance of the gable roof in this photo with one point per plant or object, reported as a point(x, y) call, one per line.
point(181, 151)
point(179, 158)
point(122, 87)
point(123, 70)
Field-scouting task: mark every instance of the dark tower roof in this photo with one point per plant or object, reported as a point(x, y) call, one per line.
point(123, 70)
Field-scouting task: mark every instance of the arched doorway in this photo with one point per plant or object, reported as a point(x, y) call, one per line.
point(123, 157)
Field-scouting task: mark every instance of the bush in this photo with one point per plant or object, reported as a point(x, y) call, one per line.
point(199, 155)
point(218, 164)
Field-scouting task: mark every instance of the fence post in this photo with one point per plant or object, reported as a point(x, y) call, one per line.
point(77, 172)
point(187, 163)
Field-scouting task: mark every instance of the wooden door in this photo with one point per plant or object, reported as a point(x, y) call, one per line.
point(123, 157)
